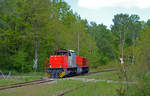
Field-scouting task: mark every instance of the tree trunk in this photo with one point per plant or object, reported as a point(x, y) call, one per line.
point(78, 43)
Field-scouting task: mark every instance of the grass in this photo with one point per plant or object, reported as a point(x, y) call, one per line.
point(30, 74)
point(7, 82)
point(22, 77)
point(102, 76)
point(91, 88)
point(41, 90)
point(18, 80)
point(103, 67)
point(96, 89)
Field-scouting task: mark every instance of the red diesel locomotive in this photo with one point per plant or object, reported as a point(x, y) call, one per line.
point(66, 63)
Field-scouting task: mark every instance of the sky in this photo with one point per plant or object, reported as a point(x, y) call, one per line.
point(103, 11)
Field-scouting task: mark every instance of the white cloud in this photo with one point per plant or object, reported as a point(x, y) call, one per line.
point(114, 3)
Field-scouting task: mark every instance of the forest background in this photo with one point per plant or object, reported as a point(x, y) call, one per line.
point(31, 30)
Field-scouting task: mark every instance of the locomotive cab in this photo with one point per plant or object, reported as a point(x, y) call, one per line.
point(71, 56)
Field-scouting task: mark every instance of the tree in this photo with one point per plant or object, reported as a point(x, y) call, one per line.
point(127, 29)
point(104, 41)
point(140, 71)
point(148, 22)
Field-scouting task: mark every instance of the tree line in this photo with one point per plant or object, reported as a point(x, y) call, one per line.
point(31, 30)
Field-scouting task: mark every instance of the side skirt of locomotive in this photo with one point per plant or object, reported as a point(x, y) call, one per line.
point(63, 72)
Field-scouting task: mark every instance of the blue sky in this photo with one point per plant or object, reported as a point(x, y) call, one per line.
point(103, 11)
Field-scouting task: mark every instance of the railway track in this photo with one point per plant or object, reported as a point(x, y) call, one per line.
point(4, 87)
point(24, 84)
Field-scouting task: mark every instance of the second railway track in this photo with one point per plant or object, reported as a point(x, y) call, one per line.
point(101, 71)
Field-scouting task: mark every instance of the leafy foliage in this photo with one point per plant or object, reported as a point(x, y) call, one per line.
point(33, 29)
